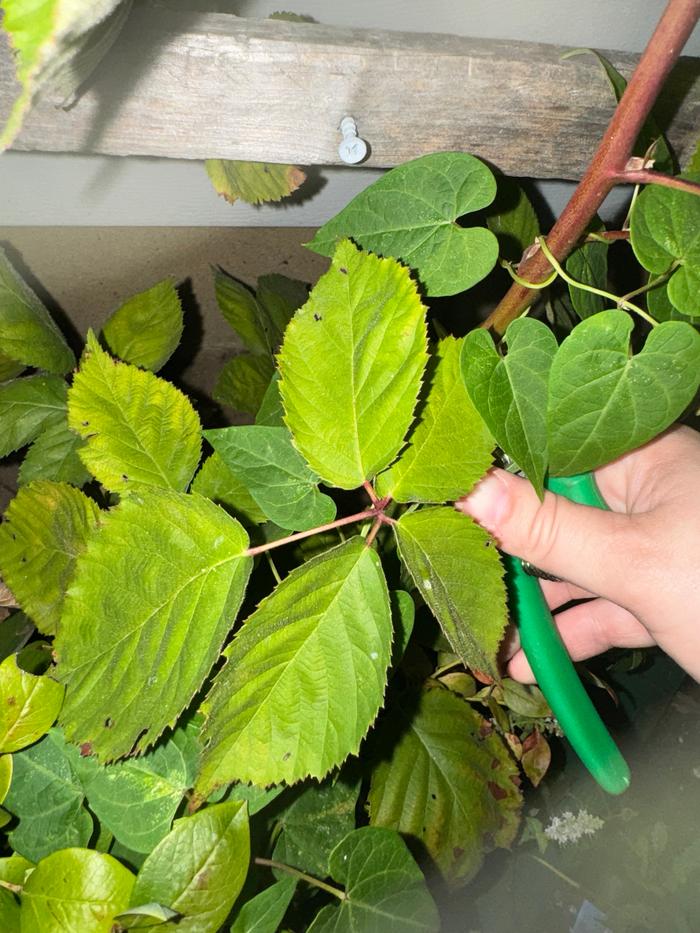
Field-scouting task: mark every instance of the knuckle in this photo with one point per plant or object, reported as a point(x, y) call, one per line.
point(543, 533)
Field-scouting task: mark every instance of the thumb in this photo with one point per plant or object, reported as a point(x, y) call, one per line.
point(584, 545)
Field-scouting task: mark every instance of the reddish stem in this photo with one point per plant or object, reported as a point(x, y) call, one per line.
point(369, 489)
point(608, 235)
point(646, 177)
point(299, 535)
point(610, 159)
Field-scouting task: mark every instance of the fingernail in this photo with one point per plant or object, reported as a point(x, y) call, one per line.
point(487, 503)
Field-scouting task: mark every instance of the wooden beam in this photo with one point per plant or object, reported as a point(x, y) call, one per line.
point(196, 86)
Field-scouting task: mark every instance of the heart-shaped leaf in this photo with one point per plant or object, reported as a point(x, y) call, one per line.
point(604, 402)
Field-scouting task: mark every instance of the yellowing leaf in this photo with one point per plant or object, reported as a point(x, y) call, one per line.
point(254, 182)
point(28, 706)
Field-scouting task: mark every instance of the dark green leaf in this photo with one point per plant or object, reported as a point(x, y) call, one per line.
point(403, 614)
point(243, 381)
point(147, 328)
point(280, 297)
point(27, 406)
point(217, 482)
point(264, 912)
point(661, 309)
point(54, 456)
point(243, 312)
point(512, 218)
point(271, 411)
point(588, 264)
point(15, 632)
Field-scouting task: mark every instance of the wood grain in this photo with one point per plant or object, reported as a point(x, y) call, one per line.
point(198, 86)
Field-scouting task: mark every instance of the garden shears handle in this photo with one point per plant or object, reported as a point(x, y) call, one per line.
point(551, 664)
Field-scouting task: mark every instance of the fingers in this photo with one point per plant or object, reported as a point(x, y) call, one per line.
point(558, 593)
point(589, 629)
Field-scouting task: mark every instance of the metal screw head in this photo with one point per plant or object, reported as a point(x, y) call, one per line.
point(352, 149)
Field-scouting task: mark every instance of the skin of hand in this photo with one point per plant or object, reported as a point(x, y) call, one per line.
point(637, 565)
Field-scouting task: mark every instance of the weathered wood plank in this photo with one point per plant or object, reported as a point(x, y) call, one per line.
point(198, 86)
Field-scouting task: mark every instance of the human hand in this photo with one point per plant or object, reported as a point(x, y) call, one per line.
point(638, 564)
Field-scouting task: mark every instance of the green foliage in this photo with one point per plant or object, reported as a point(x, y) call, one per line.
point(147, 328)
point(411, 214)
point(351, 366)
point(588, 264)
point(55, 456)
point(254, 182)
point(28, 706)
point(264, 912)
point(243, 381)
point(512, 218)
point(216, 481)
point(27, 407)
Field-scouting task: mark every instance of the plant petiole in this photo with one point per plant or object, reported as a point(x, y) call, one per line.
point(270, 863)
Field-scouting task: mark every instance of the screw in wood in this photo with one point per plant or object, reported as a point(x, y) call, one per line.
point(352, 149)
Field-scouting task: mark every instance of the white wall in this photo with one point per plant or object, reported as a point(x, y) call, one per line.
point(43, 189)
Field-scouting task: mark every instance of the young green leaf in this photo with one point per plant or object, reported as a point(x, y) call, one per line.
point(460, 576)
point(54, 456)
point(75, 889)
point(253, 182)
point(135, 644)
point(199, 868)
point(46, 527)
point(512, 218)
point(271, 411)
point(665, 234)
point(411, 212)
point(218, 482)
point(510, 393)
point(314, 823)
point(28, 334)
point(147, 328)
point(351, 366)
point(604, 402)
point(264, 912)
point(28, 406)
point(588, 264)
point(447, 785)
point(43, 774)
point(243, 381)
point(384, 888)
point(305, 675)
point(275, 473)
point(140, 431)
point(449, 448)
point(29, 706)
point(243, 312)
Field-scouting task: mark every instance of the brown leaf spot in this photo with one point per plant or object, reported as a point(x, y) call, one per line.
point(11, 701)
point(457, 853)
point(497, 792)
point(86, 749)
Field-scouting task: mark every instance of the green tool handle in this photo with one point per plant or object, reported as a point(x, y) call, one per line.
point(552, 665)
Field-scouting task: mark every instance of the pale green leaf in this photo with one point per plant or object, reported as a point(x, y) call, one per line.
point(604, 402)
point(147, 328)
point(446, 784)
point(199, 868)
point(277, 476)
point(512, 218)
point(28, 406)
point(13, 870)
point(253, 182)
point(314, 823)
point(45, 528)
point(450, 447)
point(351, 365)
point(588, 264)
point(305, 675)
point(264, 912)
point(411, 212)
point(29, 706)
point(135, 644)
point(243, 381)
point(28, 334)
point(385, 891)
point(6, 769)
point(47, 796)
point(459, 574)
point(145, 917)
point(140, 431)
point(75, 889)
point(217, 482)
point(271, 411)
point(510, 392)
point(665, 235)
point(54, 456)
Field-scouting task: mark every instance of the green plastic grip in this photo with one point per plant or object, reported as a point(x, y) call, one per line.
point(551, 664)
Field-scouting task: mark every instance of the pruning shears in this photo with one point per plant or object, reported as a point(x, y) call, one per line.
point(551, 664)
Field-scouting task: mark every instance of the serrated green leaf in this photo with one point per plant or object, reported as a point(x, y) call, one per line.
point(277, 476)
point(271, 411)
point(145, 917)
point(450, 447)
point(137, 799)
point(264, 912)
point(243, 381)
point(45, 528)
point(384, 888)
point(253, 182)
point(602, 402)
point(512, 218)
point(351, 366)
point(54, 456)
point(47, 796)
point(446, 784)
point(459, 575)
point(135, 644)
point(217, 482)
point(661, 309)
point(140, 431)
point(199, 868)
point(146, 329)
point(243, 312)
point(29, 706)
point(665, 234)
point(510, 392)
point(305, 675)
point(280, 297)
point(28, 334)
point(588, 264)
point(411, 212)
point(314, 823)
point(75, 889)
point(27, 406)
